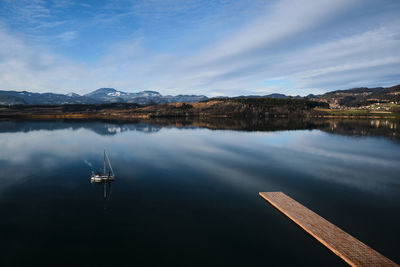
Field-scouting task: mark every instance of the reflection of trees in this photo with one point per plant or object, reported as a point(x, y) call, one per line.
point(248, 124)
point(386, 128)
point(98, 126)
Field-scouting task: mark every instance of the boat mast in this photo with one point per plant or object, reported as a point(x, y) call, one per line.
point(104, 173)
point(109, 165)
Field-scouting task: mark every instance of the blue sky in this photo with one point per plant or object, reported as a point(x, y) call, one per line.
point(211, 47)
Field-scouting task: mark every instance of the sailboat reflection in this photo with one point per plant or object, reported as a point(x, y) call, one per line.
point(107, 190)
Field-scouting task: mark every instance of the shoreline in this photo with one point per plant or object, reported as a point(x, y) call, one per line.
point(249, 108)
point(121, 116)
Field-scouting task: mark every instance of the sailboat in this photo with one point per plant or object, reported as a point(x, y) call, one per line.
point(107, 175)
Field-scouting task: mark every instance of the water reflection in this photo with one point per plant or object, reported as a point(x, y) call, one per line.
point(384, 128)
point(38, 148)
point(184, 186)
point(352, 127)
point(99, 127)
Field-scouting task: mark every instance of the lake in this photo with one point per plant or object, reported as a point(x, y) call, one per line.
point(186, 193)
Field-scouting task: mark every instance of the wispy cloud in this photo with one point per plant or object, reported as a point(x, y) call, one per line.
point(32, 67)
point(214, 48)
point(68, 36)
point(253, 54)
point(26, 12)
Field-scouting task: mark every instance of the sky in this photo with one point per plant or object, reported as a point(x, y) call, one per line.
point(210, 47)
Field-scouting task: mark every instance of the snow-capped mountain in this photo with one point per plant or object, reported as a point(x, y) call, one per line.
point(112, 95)
point(29, 98)
point(143, 97)
point(72, 94)
point(102, 95)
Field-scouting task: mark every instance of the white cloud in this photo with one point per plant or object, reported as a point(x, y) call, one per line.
point(68, 36)
point(31, 67)
point(295, 42)
point(286, 18)
point(235, 64)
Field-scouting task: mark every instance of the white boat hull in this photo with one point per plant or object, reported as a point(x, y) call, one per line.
point(99, 179)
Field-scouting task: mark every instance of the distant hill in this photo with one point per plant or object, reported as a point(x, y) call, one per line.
point(358, 90)
point(29, 98)
point(99, 96)
point(275, 95)
point(11, 100)
point(354, 97)
point(362, 96)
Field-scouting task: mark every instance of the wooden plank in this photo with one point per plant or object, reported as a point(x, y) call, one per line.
point(350, 249)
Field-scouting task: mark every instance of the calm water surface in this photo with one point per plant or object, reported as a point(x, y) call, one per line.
point(188, 196)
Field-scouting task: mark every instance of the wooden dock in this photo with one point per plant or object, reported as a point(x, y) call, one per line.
point(350, 249)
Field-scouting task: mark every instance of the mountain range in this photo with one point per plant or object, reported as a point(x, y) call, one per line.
point(99, 96)
point(350, 97)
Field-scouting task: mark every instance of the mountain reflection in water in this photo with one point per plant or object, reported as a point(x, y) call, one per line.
point(351, 127)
